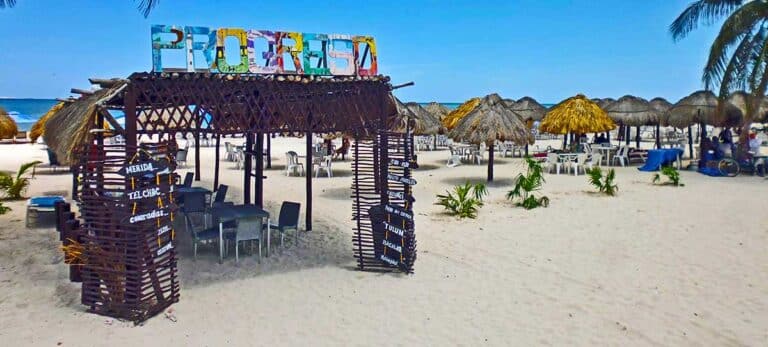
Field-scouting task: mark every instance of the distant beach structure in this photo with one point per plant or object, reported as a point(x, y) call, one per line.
point(26, 111)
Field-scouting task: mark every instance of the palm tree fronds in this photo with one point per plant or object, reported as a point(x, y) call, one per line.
point(706, 12)
point(146, 6)
point(7, 3)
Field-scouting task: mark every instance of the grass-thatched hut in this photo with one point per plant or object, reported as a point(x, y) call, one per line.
point(438, 110)
point(38, 129)
point(697, 108)
point(423, 122)
point(632, 111)
point(528, 108)
point(8, 127)
point(490, 121)
point(456, 115)
point(577, 115)
point(70, 127)
point(603, 103)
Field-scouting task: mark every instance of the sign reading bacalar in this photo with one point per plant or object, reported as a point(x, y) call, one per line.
point(266, 52)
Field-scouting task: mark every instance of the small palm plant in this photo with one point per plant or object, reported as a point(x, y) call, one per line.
point(673, 177)
point(526, 185)
point(14, 188)
point(4, 209)
point(603, 184)
point(464, 201)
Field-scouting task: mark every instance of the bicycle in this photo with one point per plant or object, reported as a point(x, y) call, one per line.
point(740, 161)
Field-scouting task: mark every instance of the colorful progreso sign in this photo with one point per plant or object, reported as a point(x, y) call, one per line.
point(265, 52)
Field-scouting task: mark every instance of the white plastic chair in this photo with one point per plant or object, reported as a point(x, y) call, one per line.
point(455, 159)
point(553, 160)
point(580, 163)
point(595, 161)
point(324, 164)
point(621, 156)
point(292, 164)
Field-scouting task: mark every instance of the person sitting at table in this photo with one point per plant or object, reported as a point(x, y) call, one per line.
point(601, 139)
point(754, 144)
point(343, 150)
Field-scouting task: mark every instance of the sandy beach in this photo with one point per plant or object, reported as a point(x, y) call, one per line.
point(654, 265)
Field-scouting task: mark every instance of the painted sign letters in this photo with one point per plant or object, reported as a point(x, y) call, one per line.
point(283, 53)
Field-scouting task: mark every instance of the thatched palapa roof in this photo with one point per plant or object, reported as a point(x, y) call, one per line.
point(38, 129)
point(8, 127)
point(424, 122)
point(456, 115)
point(603, 103)
point(528, 108)
point(489, 121)
point(702, 107)
point(438, 110)
point(71, 126)
point(632, 111)
point(576, 115)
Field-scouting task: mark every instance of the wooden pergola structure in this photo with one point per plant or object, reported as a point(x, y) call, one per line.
point(252, 106)
point(125, 241)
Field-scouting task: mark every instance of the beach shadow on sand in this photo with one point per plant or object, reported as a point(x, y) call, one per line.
point(340, 193)
point(325, 246)
point(497, 182)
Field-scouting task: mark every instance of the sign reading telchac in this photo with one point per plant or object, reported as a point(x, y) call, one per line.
point(264, 52)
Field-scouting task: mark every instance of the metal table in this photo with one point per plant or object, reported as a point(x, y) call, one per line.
point(228, 213)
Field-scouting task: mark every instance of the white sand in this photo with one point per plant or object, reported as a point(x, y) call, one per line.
point(652, 266)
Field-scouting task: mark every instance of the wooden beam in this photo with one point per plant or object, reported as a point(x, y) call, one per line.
point(106, 83)
point(80, 91)
point(216, 165)
point(308, 178)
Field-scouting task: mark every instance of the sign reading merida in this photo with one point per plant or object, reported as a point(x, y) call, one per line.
point(142, 168)
point(263, 51)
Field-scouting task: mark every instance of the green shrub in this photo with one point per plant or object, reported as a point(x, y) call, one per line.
point(14, 188)
point(466, 201)
point(526, 185)
point(673, 177)
point(603, 184)
point(4, 209)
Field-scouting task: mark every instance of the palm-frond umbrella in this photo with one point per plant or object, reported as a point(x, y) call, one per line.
point(437, 109)
point(38, 128)
point(697, 108)
point(577, 115)
point(529, 109)
point(8, 127)
point(603, 103)
point(634, 111)
point(488, 122)
point(423, 122)
point(738, 100)
point(455, 116)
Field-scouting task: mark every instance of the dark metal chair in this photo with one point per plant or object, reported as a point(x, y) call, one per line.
point(188, 178)
point(221, 194)
point(289, 219)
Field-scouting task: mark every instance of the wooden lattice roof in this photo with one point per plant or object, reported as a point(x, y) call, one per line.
point(236, 103)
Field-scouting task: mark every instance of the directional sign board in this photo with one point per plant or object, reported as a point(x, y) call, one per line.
point(404, 163)
point(147, 193)
point(400, 196)
point(143, 167)
point(392, 235)
point(401, 179)
point(398, 212)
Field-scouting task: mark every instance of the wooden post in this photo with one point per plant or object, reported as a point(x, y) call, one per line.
point(247, 174)
point(637, 138)
point(608, 136)
point(269, 151)
point(565, 141)
point(690, 141)
point(526, 150)
point(308, 176)
point(197, 155)
point(259, 179)
point(658, 136)
point(627, 134)
point(490, 162)
point(216, 164)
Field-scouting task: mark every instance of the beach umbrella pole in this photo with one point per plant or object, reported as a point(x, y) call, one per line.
point(565, 141)
point(658, 136)
point(637, 137)
point(690, 140)
point(490, 162)
point(627, 134)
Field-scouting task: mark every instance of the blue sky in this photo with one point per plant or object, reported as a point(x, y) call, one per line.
point(453, 50)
